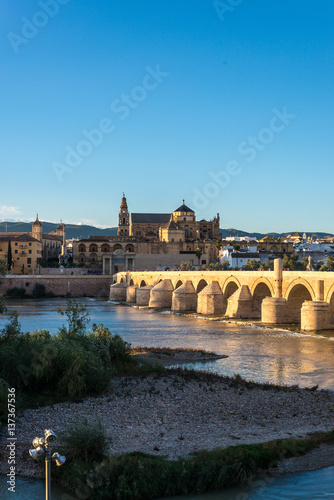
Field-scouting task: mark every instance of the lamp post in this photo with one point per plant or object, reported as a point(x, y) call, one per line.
point(43, 445)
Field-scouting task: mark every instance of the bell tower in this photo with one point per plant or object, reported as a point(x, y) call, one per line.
point(123, 219)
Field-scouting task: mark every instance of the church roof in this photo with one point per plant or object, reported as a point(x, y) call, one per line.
point(184, 208)
point(173, 225)
point(150, 218)
point(37, 222)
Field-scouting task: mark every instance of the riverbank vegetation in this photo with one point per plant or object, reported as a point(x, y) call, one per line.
point(91, 473)
point(74, 363)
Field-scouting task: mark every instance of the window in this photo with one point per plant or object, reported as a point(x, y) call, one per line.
point(30, 244)
point(16, 244)
point(29, 251)
point(15, 251)
point(28, 260)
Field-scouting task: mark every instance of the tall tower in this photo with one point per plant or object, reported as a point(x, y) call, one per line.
point(37, 230)
point(123, 219)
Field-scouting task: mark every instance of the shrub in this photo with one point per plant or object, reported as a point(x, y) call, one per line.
point(70, 364)
point(11, 328)
point(16, 293)
point(38, 291)
point(85, 441)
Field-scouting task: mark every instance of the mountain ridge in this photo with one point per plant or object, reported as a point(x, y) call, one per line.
point(84, 230)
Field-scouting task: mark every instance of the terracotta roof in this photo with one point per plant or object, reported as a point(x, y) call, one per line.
point(17, 237)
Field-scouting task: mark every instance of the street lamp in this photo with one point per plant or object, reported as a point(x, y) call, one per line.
point(43, 445)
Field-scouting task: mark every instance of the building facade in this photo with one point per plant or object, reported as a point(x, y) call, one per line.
point(24, 250)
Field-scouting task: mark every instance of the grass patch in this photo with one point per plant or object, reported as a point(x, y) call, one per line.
point(139, 476)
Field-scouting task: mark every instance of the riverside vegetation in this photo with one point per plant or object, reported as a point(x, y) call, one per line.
point(77, 363)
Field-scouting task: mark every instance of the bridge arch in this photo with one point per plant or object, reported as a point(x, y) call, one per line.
point(131, 282)
point(330, 300)
point(298, 291)
point(299, 281)
point(201, 284)
point(142, 283)
point(261, 289)
point(178, 284)
point(230, 286)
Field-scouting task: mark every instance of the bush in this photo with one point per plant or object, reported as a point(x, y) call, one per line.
point(38, 291)
point(85, 441)
point(68, 365)
point(11, 328)
point(16, 293)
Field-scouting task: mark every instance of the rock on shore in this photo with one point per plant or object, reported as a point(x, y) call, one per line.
point(174, 415)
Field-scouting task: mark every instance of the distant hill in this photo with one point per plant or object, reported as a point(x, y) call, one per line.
point(72, 230)
point(84, 231)
point(237, 232)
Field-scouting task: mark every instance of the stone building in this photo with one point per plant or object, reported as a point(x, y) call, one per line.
point(150, 241)
point(25, 251)
point(51, 246)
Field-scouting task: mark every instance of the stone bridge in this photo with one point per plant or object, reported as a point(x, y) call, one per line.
point(274, 297)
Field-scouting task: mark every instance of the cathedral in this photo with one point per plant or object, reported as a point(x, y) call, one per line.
point(181, 224)
point(150, 241)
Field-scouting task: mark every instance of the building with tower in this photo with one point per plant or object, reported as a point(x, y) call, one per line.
point(27, 248)
point(123, 219)
point(150, 241)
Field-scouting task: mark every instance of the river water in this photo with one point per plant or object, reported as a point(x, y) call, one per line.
point(256, 353)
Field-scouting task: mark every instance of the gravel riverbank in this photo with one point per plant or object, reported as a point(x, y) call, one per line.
point(174, 415)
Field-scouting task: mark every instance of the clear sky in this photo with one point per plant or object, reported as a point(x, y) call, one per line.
point(227, 104)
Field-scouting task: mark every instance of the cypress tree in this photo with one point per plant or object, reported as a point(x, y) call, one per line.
point(9, 256)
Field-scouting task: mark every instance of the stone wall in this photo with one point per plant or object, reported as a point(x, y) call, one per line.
point(78, 286)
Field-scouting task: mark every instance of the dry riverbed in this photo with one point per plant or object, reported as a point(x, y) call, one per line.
point(177, 413)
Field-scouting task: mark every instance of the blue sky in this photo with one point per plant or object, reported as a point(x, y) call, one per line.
point(227, 104)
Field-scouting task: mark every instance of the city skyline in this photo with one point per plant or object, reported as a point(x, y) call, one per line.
point(224, 104)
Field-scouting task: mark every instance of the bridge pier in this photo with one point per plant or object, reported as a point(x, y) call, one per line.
point(131, 294)
point(161, 295)
point(143, 295)
point(274, 310)
point(210, 300)
point(240, 304)
point(314, 315)
point(118, 292)
point(184, 298)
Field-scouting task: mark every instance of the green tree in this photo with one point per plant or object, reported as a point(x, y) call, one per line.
point(236, 246)
point(77, 318)
point(252, 265)
point(9, 257)
point(330, 263)
point(198, 253)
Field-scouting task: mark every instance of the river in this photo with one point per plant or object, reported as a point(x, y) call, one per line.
point(256, 353)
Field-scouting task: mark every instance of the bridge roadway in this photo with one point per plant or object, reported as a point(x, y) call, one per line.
point(275, 297)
